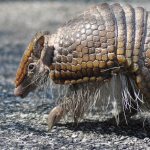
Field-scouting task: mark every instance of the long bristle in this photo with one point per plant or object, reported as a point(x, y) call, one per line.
point(113, 96)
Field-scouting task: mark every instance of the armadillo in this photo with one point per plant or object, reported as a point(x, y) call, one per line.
point(87, 52)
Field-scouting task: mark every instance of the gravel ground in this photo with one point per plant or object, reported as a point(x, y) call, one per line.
point(23, 121)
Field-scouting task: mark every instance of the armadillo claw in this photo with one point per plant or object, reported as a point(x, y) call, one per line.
point(54, 116)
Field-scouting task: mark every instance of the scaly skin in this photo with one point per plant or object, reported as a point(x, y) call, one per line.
point(103, 40)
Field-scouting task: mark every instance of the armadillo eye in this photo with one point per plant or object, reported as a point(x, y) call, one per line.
point(31, 67)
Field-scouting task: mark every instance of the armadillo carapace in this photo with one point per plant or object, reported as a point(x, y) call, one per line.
point(103, 41)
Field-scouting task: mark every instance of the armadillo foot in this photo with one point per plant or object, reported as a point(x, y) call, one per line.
point(54, 116)
point(123, 117)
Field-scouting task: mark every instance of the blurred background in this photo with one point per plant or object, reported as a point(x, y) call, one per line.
point(23, 121)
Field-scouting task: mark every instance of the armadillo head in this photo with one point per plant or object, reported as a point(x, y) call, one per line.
point(33, 69)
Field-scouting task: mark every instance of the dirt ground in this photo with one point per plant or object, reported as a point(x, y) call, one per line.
point(23, 121)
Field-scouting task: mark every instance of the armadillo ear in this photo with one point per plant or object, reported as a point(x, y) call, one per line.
point(39, 45)
point(47, 55)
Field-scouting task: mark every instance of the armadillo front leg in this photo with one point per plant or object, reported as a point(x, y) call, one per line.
point(54, 116)
point(59, 112)
point(69, 104)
